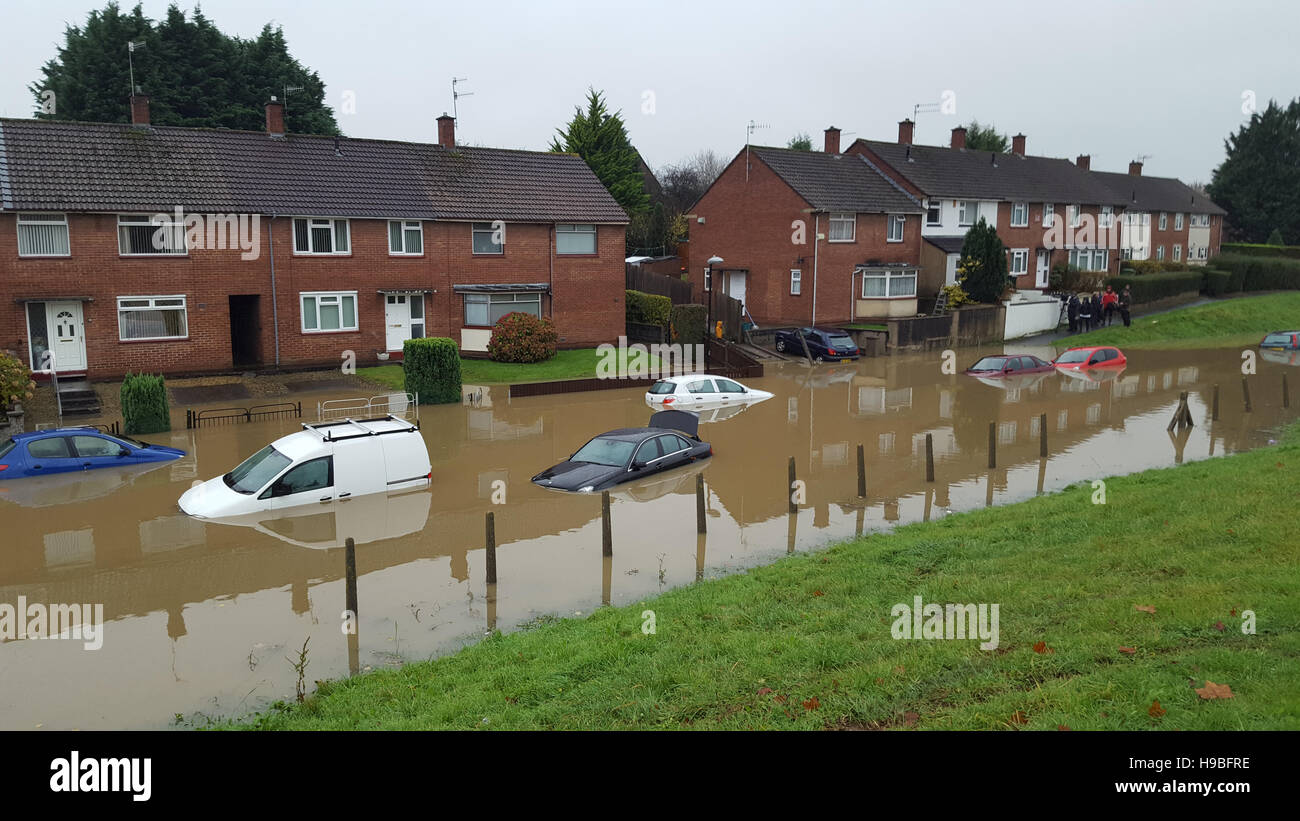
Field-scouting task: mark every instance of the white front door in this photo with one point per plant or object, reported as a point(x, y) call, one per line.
point(1044, 268)
point(403, 319)
point(736, 287)
point(67, 335)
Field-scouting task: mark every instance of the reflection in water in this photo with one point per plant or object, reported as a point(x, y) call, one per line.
point(202, 614)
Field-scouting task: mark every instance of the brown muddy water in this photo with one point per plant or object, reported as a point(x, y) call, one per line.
point(201, 618)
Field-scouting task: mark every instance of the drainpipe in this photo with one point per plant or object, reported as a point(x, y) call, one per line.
point(816, 246)
point(275, 305)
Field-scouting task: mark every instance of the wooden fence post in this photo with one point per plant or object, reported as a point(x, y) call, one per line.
point(929, 458)
point(1245, 392)
point(491, 548)
point(701, 520)
point(606, 531)
point(789, 488)
point(350, 576)
point(993, 444)
point(1214, 406)
point(1042, 436)
point(862, 473)
point(1286, 393)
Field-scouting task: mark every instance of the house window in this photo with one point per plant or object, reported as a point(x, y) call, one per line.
point(43, 235)
point(1075, 216)
point(1019, 262)
point(708, 279)
point(142, 235)
point(575, 239)
point(1164, 220)
point(489, 240)
point(1126, 253)
point(151, 317)
point(1107, 216)
point(1049, 214)
point(886, 284)
point(1160, 252)
point(1178, 221)
point(967, 211)
point(1019, 214)
point(320, 236)
point(934, 213)
point(1178, 253)
point(405, 237)
point(896, 222)
point(1202, 252)
point(483, 310)
point(843, 227)
point(1089, 259)
point(795, 284)
point(329, 311)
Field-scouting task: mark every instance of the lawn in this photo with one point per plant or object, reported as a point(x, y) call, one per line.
point(1112, 616)
point(573, 364)
point(1242, 321)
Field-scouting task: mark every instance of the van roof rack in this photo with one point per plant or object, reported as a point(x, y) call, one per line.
point(356, 428)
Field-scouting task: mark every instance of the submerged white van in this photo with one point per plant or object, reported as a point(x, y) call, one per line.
point(322, 462)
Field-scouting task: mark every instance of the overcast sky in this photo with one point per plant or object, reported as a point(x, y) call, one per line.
point(1112, 79)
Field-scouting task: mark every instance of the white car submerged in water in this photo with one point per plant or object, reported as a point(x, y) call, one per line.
point(321, 463)
point(701, 390)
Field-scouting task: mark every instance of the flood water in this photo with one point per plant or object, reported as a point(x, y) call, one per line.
point(202, 617)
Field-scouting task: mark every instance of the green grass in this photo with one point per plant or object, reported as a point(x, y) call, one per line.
point(1242, 321)
point(865, 326)
point(572, 364)
point(805, 643)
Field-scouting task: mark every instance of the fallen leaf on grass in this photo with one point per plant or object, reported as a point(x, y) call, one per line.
point(1155, 711)
point(764, 691)
point(780, 699)
point(1018, 718)
point(910, 719)
point(1218, 625)
point(899, 669)
point(1041, 648)
point(818, 593)
point(812, 704)
point(1232, 612)
point(1065, 728)
point(1129, 650)
point(1145, 608)
point(1212, 690)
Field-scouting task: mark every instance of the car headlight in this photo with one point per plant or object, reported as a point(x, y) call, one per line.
point(587, 489)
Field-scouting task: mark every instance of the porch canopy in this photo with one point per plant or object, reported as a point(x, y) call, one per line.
point(22, 299)
point(405, 291)
point(502, 288)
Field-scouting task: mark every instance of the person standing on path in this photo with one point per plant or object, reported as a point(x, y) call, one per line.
point(1085, 314)
point(1108, 301)
point(1125, 305)
point(1072, 312)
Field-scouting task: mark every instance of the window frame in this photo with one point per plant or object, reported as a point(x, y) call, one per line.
point(1049, 214)
point(147, 220)
point(1075, 215)
point(405, 226)
point(572, 226)
point(1160, 253)
point(334, 237)
point(1021, 254)
point(476, 228)
point(1106, 216)
point(962, 206)
point(838, 218)
point(340, 296)
point(796, 282)
point(1178, 220)
point(25, 218)
point(485, 298)
point(1023, 222)
point(936, 206)
point(1164, 220)
point(890, 277)
point(183, 307)
point(899, 220)
point(1178, 252)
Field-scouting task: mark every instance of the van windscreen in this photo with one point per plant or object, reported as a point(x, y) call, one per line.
point(255, 471)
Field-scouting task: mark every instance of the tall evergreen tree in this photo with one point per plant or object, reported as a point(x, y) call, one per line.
point(1259, 180)
point(985, 138)
point(600, 138)
point(983, 263)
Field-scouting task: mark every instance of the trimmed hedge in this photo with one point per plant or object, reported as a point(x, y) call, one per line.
point(1150, 287)
point(1255, 273)
point(521, 337)
point(1260, 250)
point(1152, 266)
point(144, 404)
point(1216, 282)
point(688, 323)
point(431, 367)
point(648, 309)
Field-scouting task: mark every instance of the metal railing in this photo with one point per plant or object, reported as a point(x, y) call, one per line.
point(401, 405)
point(220, 416)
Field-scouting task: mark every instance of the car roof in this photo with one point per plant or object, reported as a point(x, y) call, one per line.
point(690, 376)
point(33, 434)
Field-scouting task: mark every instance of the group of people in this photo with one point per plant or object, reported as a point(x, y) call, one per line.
point(1098, 309)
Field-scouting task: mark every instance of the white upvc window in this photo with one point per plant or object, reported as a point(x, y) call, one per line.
point(796, 284)
point(1164, 220)
point(405, 238)
point(1178, 221)
point(1049, 214)
point(1160, 252)
point(487, 239)
point(896, 223)
point(967, 212)
point(708, 279)
point(1089, 259)
point(43, 235)
point(324, 311)
point(1178, 252)
point(321, 236)
point(1019, 262)
point(843, 227)
point(1202, 252)
point(888, 284)
point(1076, 216)
point(934, 212)
point(143, 235)
point(1107, 217)
point(575, 239)
point(151, 317)
point(486, 309)
point(1019, 214)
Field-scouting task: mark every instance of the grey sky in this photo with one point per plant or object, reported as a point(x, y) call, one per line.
point(1111, 79)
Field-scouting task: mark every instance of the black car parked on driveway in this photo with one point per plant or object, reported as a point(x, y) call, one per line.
point(824, 344)
point(626, 454)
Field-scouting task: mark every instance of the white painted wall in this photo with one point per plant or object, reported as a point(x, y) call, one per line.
point(475, 339)
point(1197, 237)
point(950, 214)
point(1033, 315)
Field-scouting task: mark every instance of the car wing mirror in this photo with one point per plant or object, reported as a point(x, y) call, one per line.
point(123, 452)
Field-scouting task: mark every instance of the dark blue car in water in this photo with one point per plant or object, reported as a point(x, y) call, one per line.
point(43, 452)
point(824, 344)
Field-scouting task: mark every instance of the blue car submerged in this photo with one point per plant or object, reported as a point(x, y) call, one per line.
point(43, 452)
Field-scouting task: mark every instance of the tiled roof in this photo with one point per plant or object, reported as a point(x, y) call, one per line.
point(1157, 193)
point(66, 166)
point(949, 245)
point(837, 182)
point(985, 175)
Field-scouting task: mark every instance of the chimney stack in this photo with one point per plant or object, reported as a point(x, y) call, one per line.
point(959, 137)
point(447, 131)
point(275, 118)
point(1084, 161)
point(832, 140)
point(905, 129)
point(1018, 145)
point(1135, 168)
point(139, 109)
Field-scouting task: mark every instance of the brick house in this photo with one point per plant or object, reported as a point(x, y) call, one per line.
point(288, 250)
point(807, 237)
point(1164, 219)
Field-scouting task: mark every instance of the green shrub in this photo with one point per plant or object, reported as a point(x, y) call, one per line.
point(431, 367)
point(689, 324)
point(521, 337)
point(648, 309)
point(1072, 279)
point(1260, 250)
point(1257, 273)
point(15, 381)
point(1275, 237)
point(1216, 283)
point(982, 268)
point(1150, 287)
point(144, 404)
point(1153, 266)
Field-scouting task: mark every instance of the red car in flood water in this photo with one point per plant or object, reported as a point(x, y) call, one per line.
point(1099, 356)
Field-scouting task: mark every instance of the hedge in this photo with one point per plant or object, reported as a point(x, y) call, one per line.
point(1255, 273)
point(1260, 250)
point(431, 367)
point(648, 309)
point(1150, 287)
point(521, 337)
point(689, 324)
point(144, 404)
point(1152, 266)
point(1216, 282)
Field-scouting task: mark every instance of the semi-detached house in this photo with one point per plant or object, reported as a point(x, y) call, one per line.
point(306, 247)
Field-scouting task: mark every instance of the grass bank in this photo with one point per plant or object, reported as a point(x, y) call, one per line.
point(805, 643)
point(1241, 321)
point(572, 364)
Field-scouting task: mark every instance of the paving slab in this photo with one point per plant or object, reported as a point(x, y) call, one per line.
point(203, 394)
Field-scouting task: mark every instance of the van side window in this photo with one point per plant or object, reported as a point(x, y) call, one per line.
point(317, 474)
